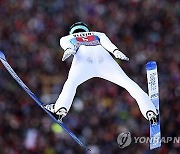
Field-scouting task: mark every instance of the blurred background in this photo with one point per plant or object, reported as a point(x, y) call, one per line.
point(29, 36)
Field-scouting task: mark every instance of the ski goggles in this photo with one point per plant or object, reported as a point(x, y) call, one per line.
point(78, 27)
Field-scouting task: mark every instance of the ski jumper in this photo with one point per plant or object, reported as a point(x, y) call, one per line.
point(92, 59)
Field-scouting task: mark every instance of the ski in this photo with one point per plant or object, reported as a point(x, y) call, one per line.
point(37, 100)
point(153, 90)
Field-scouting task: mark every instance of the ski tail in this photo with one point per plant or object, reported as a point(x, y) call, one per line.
point(153, 90)
point(37, 100)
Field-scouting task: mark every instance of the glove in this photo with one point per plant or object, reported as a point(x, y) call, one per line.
point(120, 55)
point(67, 53)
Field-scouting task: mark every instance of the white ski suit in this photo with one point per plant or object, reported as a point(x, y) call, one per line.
point(92, 59)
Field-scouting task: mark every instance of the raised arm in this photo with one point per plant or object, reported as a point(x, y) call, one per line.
point(67, 46)
point(109, 46)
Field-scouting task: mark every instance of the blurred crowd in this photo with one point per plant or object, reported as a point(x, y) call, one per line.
point(29, 37)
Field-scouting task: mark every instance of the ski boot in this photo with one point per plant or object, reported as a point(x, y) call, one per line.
point(152, 117)
point(60, 114)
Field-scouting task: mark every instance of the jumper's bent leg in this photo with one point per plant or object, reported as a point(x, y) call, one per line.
point(116, 75)
point(77, 75)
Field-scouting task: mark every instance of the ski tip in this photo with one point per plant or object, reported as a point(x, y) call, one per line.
point(2, 56)
point(151, 65)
